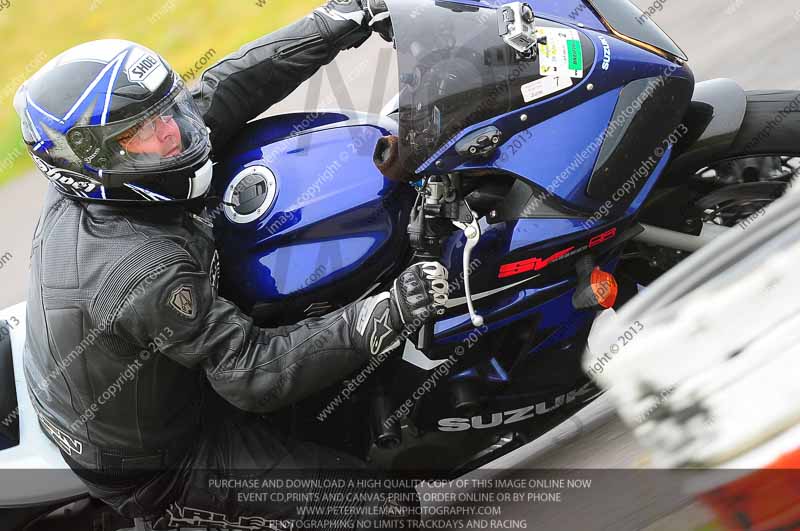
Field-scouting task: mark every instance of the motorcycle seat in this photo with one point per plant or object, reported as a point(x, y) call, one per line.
point(9, 423)
point(34, 471)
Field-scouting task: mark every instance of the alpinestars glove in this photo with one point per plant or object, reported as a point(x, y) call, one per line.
point(343, 23)
point(418, 295)
point(378, 18)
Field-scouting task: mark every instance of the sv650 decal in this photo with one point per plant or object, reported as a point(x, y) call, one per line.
point(537, 264)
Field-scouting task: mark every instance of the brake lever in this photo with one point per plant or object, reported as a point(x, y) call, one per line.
point(472, 231)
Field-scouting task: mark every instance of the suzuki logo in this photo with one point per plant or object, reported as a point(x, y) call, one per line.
point(606, 53)
point(515, 415)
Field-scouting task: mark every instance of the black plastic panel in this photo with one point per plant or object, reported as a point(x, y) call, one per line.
point(630, 149)
point(525, 201)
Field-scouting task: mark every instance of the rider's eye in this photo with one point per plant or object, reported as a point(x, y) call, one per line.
point(125, 137)
point(145, 131)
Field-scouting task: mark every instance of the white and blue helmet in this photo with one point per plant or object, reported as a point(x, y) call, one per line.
point(76, 110)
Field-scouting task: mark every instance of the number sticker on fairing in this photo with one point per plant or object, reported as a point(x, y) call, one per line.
point(543, 87)
point(561, 55)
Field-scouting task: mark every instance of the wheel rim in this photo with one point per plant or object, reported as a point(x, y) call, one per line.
point(751, 169)
point(740, 177)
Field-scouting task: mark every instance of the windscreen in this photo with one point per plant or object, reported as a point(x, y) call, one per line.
point(455, 71)
point(627, 19)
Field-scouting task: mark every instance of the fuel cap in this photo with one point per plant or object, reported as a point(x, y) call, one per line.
point(250, 194)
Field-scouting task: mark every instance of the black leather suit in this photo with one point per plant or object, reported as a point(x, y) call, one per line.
point(126, 331)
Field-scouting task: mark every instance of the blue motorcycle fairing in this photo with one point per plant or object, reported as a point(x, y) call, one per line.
point(568, 126)
point(505, 299)
point(507, 242)
point(568, 161)
point(502, 242)
point(541, 232)
point(449, 331)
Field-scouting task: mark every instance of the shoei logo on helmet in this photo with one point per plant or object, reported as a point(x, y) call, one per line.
point(61, 177)
point(140, 70)
point(146, 69)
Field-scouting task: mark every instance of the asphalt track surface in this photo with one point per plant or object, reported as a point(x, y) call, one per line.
point(754, 43)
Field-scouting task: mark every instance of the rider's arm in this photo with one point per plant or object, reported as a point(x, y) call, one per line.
point(256, 369)
point(247, 82)
point(259, 369)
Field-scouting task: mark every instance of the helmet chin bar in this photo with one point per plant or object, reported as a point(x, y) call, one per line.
point(201, 181)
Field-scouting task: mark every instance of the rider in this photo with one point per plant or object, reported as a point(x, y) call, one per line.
point(126, 331)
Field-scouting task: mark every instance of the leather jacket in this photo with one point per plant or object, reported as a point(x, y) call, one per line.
point(125, 328)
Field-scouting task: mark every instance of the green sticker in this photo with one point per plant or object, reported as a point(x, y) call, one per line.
point(575, 53)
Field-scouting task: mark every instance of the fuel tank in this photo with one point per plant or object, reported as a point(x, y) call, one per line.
point(304, 220)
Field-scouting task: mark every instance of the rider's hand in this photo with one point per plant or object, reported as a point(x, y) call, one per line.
point(367, 13)
point(377, 15)
point(385, 320)
point(419, 293)
point(347, 20)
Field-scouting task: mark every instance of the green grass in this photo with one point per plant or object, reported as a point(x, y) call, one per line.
point(182, 31)
point(14, 158)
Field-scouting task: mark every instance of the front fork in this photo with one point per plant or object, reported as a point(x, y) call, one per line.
point(441, 200)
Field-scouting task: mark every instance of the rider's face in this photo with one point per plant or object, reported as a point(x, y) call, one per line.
point(158, 135)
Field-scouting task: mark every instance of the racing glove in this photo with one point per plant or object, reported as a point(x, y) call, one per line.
point(378, 18)
point(417, 296)
point(372, 14)
point(346, 20)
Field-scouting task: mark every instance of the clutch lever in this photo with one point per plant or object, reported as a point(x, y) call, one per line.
point(472, 232)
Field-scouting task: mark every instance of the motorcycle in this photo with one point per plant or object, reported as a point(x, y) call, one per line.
point(559, 160)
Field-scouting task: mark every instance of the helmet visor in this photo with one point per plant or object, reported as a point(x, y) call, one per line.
point(169, 136)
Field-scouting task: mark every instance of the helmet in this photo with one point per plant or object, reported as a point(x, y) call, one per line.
point(110, 120)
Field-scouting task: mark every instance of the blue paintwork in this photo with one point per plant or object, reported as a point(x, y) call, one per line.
point(514, 298)
point(528, 232)
point(492, 370)
point(568, 156)
point(328, 218)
